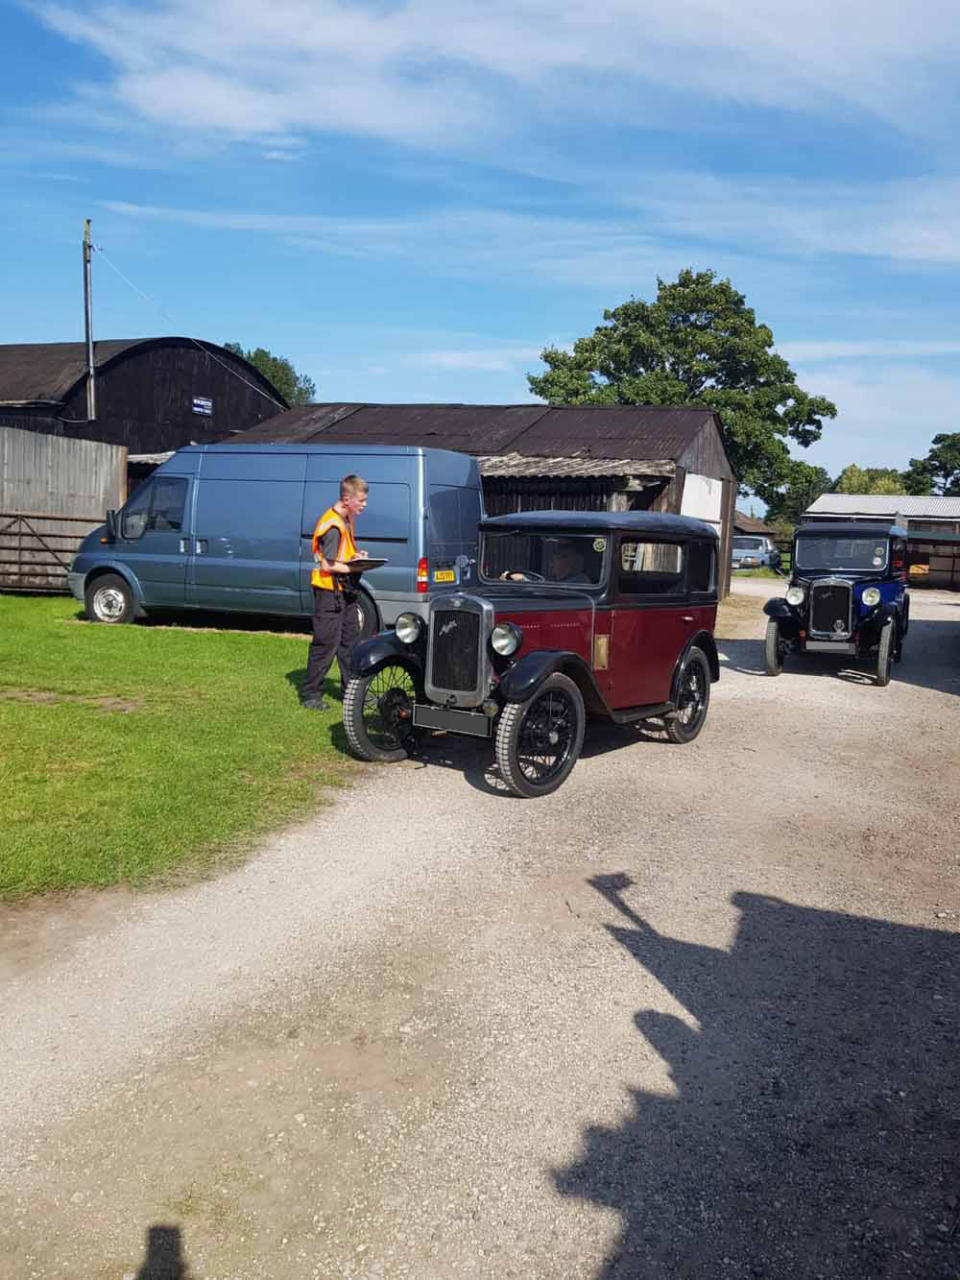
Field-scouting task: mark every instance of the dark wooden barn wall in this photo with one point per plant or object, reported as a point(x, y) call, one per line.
point(144, 401)
point(504, 495)
point(706, 455)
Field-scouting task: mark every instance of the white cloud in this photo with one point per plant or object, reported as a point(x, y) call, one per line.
point(886, 415)
point(442, 70)
point(488, 359)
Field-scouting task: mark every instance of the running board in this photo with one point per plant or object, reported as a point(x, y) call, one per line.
point(629, 714)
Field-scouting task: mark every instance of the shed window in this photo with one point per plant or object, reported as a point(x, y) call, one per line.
point(651, 568)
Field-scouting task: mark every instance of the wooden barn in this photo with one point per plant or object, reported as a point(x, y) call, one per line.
point(151, 394)
point(538, 456)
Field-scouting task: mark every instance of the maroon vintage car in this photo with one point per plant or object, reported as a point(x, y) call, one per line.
point(578, 614)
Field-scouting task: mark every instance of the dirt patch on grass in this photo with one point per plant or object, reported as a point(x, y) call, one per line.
point(740, 617)
point(105, 703)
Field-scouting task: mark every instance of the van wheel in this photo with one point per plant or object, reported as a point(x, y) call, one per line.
point(109, 599)
point(378, 714)
point(693, 698)
point(539, 741)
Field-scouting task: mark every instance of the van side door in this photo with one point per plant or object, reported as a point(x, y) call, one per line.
point(153, 539)
point(245, 549)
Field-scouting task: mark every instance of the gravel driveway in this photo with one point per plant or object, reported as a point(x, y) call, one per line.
point(696, 1014)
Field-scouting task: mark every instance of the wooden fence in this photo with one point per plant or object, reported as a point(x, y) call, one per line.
point(53, 491)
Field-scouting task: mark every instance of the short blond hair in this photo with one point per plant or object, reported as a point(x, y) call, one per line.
point(351, 485)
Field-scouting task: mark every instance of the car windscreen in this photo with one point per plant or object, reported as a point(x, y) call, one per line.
point(747, 544)
point(825, 552)
point(564, 559)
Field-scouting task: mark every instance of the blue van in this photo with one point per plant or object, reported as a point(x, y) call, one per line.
point(229, 527)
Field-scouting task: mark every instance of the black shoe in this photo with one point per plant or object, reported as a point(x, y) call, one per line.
point(315, 704)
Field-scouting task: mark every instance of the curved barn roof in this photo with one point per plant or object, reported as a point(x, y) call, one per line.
point(47, 372)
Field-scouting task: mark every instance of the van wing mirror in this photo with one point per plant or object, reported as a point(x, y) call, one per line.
point(112, 525)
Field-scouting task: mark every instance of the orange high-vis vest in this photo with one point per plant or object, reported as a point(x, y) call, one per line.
point(347, 549)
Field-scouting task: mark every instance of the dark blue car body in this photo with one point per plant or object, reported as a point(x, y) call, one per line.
point(847, 596)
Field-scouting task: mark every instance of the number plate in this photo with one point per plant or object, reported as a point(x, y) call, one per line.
point(444, 575)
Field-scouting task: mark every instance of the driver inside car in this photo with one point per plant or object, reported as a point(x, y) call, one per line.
point(566, 564)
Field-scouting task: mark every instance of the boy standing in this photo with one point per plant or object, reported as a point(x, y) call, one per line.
point(336, 618)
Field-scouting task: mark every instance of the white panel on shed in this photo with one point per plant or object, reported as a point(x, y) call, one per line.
point(703, 499)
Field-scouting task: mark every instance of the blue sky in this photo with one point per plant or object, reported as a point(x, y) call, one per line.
point(410, 198)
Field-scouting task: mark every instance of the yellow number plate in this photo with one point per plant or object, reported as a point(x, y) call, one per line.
point(444, 575)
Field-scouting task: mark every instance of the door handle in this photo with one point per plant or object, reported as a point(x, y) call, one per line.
point(687, 617)
point(184, 546)
point(202, 546)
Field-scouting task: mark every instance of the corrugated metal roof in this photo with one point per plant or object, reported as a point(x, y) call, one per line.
point(45, 372)
point(891, 505)
point(617, 432)
point(518, 464)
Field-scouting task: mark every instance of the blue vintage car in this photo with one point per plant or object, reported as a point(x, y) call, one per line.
point(847, 596)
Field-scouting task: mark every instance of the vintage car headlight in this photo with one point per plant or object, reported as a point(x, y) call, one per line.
point(408, 627)
point(871, 597)
point(505, 639)
point(795, 595)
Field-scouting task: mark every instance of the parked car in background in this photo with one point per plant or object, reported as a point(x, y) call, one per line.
point(229, 527)
point(576, 614)
point(847, 596)
point(754, 551)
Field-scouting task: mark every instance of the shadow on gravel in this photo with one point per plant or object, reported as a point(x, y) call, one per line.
point(931, 660)
point(815, 1132)
point(164, 1260)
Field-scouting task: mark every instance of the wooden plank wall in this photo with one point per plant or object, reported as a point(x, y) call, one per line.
point(53, 491)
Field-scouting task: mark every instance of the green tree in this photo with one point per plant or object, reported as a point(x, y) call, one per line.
point(296, 388)
point(854, 479)
point(804, 485)
point(939, 471)
point(698, 343)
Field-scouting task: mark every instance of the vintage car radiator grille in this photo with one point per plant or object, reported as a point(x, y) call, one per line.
point(456, 643)
point(830, 608)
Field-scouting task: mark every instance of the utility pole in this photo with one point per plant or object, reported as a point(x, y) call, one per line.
point(88, 317)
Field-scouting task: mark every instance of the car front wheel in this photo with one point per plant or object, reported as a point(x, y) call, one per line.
point(109, 599)
point(885, 651)
point(773, 648)
point(539, 741)
point(693, 698)
point(378, 714)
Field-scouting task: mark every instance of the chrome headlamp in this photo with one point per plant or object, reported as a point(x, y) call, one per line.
point(505, 639)
point(871, 596)
point(408, 627)
point(795, 595)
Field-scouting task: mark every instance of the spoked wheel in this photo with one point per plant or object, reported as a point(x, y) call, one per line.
point(774, 648)
point(378, 714)
point(693, 698)
point(888, 643)
point(538, 741)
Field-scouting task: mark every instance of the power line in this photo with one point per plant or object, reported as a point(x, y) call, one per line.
point(199, 345)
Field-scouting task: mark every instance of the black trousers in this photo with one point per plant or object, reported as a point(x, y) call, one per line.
point(336, 626)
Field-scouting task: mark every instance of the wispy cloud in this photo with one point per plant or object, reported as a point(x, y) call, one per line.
point(886, 349)
point(439, 71)
point(506, 358)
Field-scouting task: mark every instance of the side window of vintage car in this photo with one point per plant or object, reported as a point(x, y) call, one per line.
point(651, 568)
point(701, 566)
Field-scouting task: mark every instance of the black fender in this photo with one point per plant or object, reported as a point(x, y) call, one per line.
point(522, 680)
point(705, 641)
point(786, 616)
point(874, 623)
point(383, 648)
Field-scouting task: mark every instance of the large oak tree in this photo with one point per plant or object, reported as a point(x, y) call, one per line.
point(697, 344)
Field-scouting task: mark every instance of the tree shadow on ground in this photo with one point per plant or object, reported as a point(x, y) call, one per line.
point(164, 1257)
point(816, 1124)
point(931, 660)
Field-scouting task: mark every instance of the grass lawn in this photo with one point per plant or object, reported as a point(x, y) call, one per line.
point(131, 753)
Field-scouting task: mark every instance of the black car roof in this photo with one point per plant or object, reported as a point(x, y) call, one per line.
point(848, 528)
point(654, 522)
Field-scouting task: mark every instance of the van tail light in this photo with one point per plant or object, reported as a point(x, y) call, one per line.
point(423, 576)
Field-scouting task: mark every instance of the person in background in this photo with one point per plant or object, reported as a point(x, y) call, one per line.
point(336, 616)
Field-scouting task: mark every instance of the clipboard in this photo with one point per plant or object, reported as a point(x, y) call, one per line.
point(361, 563)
